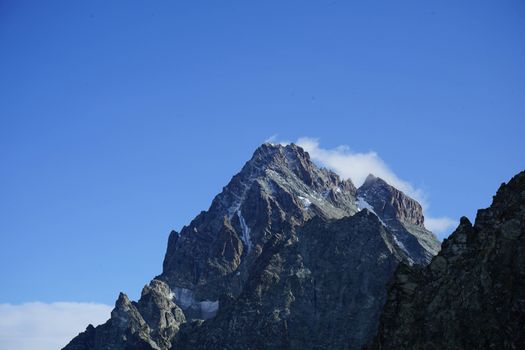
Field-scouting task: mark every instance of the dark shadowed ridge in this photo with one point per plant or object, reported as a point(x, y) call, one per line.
point(472, 294)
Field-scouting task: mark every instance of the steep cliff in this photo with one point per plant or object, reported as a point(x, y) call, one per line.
point(472, 294)
point(321, 287)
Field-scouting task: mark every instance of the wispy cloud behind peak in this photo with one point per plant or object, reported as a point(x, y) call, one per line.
point(357, 165)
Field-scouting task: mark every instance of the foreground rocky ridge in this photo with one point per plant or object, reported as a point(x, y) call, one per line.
point(472, 294)
point(287, 255)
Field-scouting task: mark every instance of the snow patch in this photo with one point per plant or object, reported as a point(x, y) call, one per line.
point(239, 196)
point(234, 207)
point(400, 244)
point(306, 202)
point(246, 239)
point(363, 204)
point(209, 308)
point(185, 298)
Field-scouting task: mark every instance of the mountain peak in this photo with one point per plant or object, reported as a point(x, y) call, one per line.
point(390, 201)
point(278, 189)
point(276, 156)
point(402, 214)
point(371, 178)
point(376, 181)
point(274, 167)
point(269, 147)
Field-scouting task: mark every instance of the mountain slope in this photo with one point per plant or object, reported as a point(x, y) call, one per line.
point(472, 294)
point(278, 188)
point(320, 287)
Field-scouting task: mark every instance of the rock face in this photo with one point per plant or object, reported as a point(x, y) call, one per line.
point(402, 214)
point(278, 188)
point(321, 287)
point(288, 254)
point(472, 294)
point(151, 323)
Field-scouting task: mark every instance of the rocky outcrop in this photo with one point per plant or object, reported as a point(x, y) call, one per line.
point(149, 324)
point(472, 294)
point(402, 214)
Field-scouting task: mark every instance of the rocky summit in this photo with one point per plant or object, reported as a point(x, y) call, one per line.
point(288, 255)
point(472, 294)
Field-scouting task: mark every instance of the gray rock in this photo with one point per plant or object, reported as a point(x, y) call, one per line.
point(149, 324)
point(403, 215)
point(472, 295)
point(319, 287)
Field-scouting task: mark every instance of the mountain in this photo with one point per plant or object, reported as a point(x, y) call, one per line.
point(287, 255)
point(472, 294)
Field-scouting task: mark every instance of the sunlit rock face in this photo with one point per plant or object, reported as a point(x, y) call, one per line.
point(403, 215)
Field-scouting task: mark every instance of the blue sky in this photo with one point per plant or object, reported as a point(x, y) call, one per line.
point(120, 120)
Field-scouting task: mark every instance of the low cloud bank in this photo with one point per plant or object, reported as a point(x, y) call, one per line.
point(441, 226)
point(47, 326)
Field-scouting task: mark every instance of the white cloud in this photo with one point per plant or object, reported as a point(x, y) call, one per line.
point(47, 326)
point(441, 226)
point(274, 139)
point(356, 166)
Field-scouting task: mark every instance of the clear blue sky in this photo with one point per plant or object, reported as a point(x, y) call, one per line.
point(120, 120)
